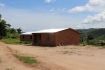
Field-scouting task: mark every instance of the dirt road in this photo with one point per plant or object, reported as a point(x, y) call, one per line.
point(55, 58)
point(8, 61)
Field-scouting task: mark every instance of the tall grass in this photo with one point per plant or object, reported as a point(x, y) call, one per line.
point(11, 40)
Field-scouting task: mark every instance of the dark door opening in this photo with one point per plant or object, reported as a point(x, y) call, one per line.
point(37, 39)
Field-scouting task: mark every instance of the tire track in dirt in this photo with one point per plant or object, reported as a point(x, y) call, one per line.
point(41, 65)
point(9, 62)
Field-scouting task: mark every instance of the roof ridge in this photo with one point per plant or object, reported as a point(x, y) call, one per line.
point(46, 31)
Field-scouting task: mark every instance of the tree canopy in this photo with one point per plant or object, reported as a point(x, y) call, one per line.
point(3, 27)
point(6, 30)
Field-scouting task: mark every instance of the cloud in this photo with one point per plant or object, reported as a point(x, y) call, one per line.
point(90, 6)
point(49, 1)
point(98, 18)
point(96, 21)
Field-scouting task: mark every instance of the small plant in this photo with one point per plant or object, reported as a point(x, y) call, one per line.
point(26, 59)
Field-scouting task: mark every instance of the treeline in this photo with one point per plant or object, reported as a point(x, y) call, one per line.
point(93, 36)
point(6, 31)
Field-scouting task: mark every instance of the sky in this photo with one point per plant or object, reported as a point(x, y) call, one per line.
point(31, 15)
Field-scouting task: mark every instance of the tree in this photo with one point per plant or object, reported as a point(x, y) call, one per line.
point(3, 27)
point(6, 31)
point(12, 30)
point(19, 30)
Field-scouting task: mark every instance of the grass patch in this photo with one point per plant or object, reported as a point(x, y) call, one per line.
point(15, 41)
point(26, 59)
point(11, 41)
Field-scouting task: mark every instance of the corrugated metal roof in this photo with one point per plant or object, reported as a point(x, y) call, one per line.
point(45, 31)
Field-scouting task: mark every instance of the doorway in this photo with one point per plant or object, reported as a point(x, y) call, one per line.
point(37, 39)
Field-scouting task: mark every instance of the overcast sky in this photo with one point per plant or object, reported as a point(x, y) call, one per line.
point(33, 15)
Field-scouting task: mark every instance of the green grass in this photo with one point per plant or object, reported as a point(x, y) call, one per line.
point(15, 41)
point(26, 59)
point(11, 41)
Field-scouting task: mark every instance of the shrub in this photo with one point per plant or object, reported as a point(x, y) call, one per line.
point(101, 43)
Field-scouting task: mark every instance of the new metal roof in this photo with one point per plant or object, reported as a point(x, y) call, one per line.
point(45, 31)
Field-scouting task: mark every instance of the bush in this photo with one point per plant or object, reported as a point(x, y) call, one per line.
point(96, 42)
point(101, 43)
point(92, 42)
